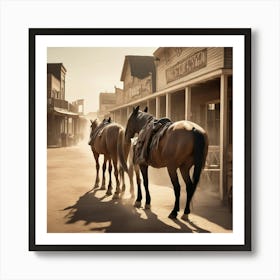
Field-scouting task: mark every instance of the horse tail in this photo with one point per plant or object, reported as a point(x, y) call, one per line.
point(200, 153)
point(123, 149)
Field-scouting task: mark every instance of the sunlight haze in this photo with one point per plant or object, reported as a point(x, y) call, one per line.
point(92, 70)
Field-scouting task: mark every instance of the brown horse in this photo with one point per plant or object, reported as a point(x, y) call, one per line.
point(183, 145)
point(107, 138)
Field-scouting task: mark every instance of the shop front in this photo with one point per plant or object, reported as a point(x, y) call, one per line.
point(195, 84)
point(63, 128)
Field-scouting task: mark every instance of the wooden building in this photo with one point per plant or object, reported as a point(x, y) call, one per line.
point(187, 83)
point(107, 101)
point(65, 123)
point(139, 81)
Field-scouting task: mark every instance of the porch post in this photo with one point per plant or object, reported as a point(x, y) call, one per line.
point(128, 112)
point(223, 135)
point(148, 105)
point(120, 116)
point(188, 103)
point(67, 130)
point(168, 105)
point(52, 128)
point(113, 114)
point(158, 107)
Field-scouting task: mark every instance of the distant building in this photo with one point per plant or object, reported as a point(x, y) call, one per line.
point(91, 115)
point(65, 123)
point(139, 81)
point(139, 76)
point(79, 104)
point(106, 102)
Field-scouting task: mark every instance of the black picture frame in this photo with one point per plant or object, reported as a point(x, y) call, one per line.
point(245, 33)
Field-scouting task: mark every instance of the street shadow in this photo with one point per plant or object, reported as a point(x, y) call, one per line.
point(211, 208)
point(195, 228)
point(117, 216)
point(222, 217)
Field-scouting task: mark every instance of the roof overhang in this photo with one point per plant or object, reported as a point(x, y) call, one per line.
point(65, 112)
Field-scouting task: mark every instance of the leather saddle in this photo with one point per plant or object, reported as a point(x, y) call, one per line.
point(160, 127)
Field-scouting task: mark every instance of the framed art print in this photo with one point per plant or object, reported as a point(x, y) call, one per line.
point(140, 139)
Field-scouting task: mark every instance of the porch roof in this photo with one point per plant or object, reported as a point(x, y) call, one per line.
point(65, 112)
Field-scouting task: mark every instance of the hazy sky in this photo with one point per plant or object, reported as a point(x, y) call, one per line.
point(92, 70)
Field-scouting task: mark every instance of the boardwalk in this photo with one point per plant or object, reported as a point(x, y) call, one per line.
point(74, 207)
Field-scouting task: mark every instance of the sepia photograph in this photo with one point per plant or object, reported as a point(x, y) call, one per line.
point(139, 144)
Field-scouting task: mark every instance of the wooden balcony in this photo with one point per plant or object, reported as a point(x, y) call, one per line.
point(62, 104)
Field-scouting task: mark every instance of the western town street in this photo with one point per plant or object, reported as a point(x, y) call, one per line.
point(74, 207)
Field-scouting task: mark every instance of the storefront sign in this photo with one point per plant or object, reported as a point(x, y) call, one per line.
point(143, 88)
point(187, 66)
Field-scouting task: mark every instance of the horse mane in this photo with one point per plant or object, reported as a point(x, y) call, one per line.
point(145, 115)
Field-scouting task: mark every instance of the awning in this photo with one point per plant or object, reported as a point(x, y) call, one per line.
point(65, 112)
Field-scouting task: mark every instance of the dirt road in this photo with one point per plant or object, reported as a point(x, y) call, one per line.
point(74, 207)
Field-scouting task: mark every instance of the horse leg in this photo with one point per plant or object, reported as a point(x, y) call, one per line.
point(130, 175)
point(96, 157)
point(110, 178)
point(144, 171)
point(109, 190)
point(139, 192)
point(116, 173)
point(176, 186)
point(121, 172)
point(103, 173)
point(138, 179)
point(190, 188)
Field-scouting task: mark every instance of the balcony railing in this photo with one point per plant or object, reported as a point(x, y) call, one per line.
point(63, 104)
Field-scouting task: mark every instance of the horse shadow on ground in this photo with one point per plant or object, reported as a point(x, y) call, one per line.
point(120, 216)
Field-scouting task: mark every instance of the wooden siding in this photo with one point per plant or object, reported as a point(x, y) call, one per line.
point(53, 87)
point(215, 60)
point(228, 58)
point(135, 88)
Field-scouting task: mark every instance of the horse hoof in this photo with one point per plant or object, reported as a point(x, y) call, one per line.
point(137, 204)
point(172, 216)
point(116, 196)
point(185, 217)
point(95, 187)
point(147, 206)
point(109, 192)
point(103, 188)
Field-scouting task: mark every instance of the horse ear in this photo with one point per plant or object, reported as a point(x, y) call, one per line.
point(135, 110)
point(146, 109)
